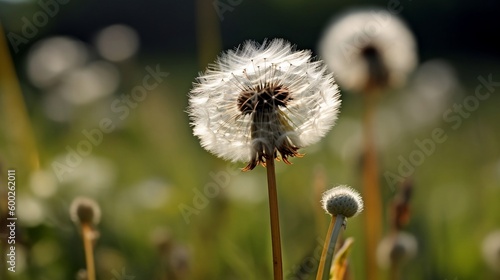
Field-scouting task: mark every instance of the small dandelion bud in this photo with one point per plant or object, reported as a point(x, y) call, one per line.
point(81, 275)
point(342, 200)
point(491, 250)
point(85, 211)
point(396, 249)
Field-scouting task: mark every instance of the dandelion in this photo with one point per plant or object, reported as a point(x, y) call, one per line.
point(81, 275)
point(491, 250)
point(86, 213)
point(340, 202)
point(262, 102)
point(369, 49)
point(396, 249)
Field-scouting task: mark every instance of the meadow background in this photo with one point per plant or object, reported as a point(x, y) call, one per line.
point(149, 167)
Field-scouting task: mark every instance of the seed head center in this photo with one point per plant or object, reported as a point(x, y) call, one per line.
point(263, 98)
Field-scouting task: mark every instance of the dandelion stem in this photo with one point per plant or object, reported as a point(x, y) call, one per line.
point(371, 188)
point(338, 223)
point(322, 260)
point(275, 226)
point(87, 235)
point(394, 272)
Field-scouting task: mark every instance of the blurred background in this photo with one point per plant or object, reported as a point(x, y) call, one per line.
point(79, 117)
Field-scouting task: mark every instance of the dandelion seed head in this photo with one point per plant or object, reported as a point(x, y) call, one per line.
point(342, 200)
point(491, 250)
point(369, 49)
point(263, 101)
point(85, 211)
point(396, 249)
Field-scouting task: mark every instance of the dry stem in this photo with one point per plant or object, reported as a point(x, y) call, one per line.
point(275, 226)
point(88, 238)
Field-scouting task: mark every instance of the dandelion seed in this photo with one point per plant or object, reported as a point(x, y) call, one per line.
point(263, 101)
point(369, 49)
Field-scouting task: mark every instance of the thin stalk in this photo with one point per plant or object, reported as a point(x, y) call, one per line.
point(395, 265)
point(88, 236)
point(326, 245)
point(394, 271)
point(371, 189)
point(275, 225)
point(339, 222)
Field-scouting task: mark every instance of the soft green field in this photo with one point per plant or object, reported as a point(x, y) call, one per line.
point(167, 204)
point(150, 167)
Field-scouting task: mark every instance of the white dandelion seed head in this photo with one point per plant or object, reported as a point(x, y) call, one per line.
point(261, 101)
point(342, 200)
point(371, 46)
point(396, 249)
point(84, 210)
point(491, 250)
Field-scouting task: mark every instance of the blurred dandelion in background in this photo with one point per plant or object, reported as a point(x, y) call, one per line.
point(63, 69)
point(117, 42)
point(89, 83)
point(85, 211)
point(369, 49)
point(49, 60)
point(491, 251)
point(395, 250)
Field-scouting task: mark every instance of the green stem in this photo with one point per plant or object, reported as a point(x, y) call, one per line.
point(339, 222)
point(321, 266)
